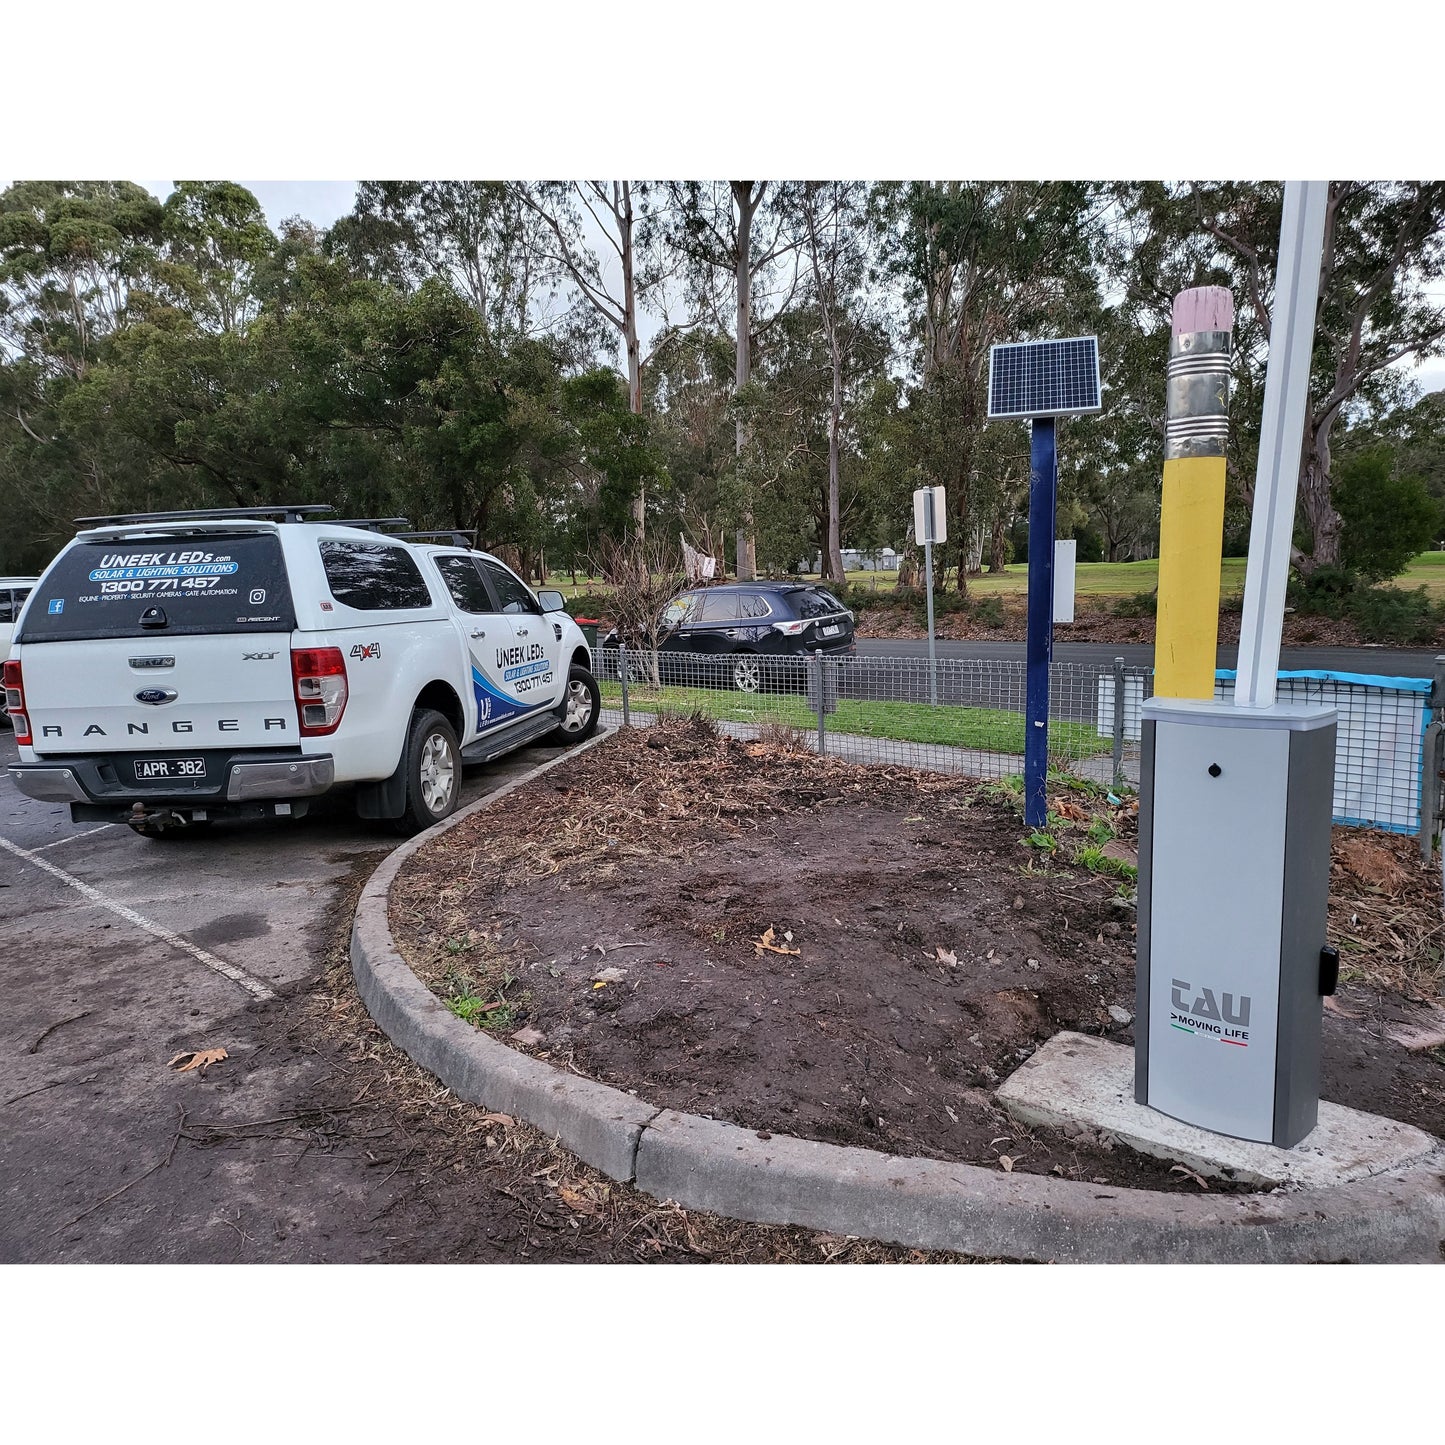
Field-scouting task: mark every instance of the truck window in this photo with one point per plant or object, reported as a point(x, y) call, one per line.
point(465, 584)
point(183, 584)
point(512, 594)
point(373, 577)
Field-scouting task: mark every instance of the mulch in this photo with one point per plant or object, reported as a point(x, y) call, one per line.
point(856, 955)
point(1094, 621)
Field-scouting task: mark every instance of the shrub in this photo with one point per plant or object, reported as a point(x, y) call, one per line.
point(1141, 604)
point(1389, 614)
point(989, 611)
point(1324, 593)
point(591, 604)
point(1387, 518)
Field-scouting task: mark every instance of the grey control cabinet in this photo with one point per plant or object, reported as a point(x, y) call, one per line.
point(1234, 862)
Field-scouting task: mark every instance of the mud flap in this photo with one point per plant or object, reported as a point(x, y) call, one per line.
point(386, 799)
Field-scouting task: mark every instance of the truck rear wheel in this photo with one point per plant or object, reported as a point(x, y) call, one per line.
point(433, 763)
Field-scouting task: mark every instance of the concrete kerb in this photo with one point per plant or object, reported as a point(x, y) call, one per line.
point(918, 1203)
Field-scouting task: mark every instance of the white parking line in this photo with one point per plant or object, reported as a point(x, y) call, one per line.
point(72, 837)
point(253, 986)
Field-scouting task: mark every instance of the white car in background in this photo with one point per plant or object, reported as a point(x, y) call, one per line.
point(13, 592)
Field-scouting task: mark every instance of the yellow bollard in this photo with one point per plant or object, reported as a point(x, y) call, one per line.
point(1191, 518)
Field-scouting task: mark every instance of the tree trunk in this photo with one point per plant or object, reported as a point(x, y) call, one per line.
point(1324, 522)
point(747, 204)
point(998, 546)
point(834, 561)
point(623, 193)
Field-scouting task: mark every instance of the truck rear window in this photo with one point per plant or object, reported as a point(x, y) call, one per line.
point(171, 587)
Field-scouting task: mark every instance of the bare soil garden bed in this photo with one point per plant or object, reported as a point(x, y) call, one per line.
point(856, 955)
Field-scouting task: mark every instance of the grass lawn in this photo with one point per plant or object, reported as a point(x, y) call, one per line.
point(1092, 579)
point(988, 729)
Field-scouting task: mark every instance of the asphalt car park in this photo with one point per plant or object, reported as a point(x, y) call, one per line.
point(123, 951)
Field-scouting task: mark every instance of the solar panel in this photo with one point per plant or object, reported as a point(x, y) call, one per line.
point(1044, 378)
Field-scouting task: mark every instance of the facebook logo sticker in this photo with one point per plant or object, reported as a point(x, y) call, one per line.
point(57, 604)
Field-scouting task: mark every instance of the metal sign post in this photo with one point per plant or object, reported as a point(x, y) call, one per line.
point(930, 525)
point(1037, 381)
point(1039, 649)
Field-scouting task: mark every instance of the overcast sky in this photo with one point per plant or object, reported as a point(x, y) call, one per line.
point(322, 202)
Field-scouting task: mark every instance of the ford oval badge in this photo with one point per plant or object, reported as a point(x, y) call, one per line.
point(155, 696)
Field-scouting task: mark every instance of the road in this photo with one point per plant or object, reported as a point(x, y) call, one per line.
point(122, 952)
point(1390, 662)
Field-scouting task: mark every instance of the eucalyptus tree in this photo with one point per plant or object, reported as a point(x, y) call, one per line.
point(70, 252)
point(615, 209)
point(836, 251)
point(1376, 305)
point(978, 263)
point(478, 237)
point(737, 248)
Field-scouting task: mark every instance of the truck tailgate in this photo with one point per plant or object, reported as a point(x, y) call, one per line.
point(165, 693)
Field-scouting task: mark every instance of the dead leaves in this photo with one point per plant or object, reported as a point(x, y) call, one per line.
point(201, 1059)
point(1429, 1033)
point(1190, 1174)
point(946, 956)
point(1372, 863)
point(767, 943)
point(1006, 1163)
point(604, 976)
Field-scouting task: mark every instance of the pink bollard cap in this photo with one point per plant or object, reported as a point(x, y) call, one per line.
point(1203, 308)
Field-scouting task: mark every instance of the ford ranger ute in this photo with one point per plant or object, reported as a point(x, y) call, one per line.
point(170, 669)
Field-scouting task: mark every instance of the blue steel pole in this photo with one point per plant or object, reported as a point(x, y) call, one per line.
point(1043, 497)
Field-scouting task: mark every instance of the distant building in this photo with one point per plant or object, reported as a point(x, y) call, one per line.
point(855, 559)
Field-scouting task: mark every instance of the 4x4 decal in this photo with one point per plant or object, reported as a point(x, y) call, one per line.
point(366, 651)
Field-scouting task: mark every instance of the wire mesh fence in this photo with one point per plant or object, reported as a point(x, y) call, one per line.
point(1380, 733)
point(873, 709)
point(877, 709)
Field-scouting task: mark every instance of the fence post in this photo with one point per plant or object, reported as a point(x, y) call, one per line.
point(1430, 760)
point(622, 671)
point(1118, 723)
point(821, 701)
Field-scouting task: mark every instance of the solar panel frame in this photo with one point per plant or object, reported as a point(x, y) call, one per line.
point(1044, 378)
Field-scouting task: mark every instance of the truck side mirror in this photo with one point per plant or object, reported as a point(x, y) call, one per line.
point(552, 601)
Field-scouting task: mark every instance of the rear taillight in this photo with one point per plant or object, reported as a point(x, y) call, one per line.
point(15, 702)
point(320, 680)
point(790, 629)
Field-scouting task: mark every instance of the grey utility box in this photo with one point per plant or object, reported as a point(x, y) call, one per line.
point(1234, 866)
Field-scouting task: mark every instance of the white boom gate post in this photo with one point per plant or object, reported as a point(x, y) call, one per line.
point(1234, 813)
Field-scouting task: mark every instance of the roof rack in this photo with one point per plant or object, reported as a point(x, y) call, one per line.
point(210, 514)
point(370, 524)
point(455, 535)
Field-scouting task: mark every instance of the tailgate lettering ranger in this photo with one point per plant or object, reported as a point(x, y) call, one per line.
point(181, 725)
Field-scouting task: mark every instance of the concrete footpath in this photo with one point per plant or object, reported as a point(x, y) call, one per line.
point(1396, 1216)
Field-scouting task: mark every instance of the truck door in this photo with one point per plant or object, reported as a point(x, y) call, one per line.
point(530, 670)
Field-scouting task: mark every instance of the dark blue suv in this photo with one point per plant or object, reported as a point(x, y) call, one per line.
point(742, 624)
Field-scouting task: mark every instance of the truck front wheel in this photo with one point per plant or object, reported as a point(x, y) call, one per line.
point(433, 772)
point(581, 708)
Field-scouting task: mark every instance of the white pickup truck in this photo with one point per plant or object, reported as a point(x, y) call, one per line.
point(170, 669)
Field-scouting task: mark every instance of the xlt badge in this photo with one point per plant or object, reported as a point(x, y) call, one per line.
point(144, 662)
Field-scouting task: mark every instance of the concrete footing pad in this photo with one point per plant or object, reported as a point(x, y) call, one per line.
point(1075, 1081)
